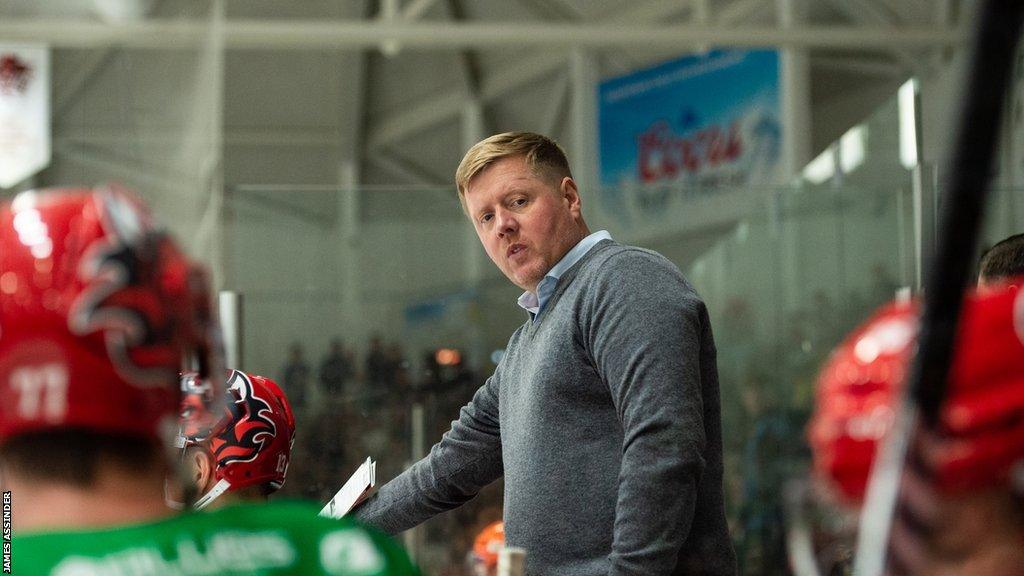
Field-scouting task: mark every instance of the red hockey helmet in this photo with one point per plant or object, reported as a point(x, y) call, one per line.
point(981, 429)
point(980, 435)
point(857, 392)
point(486, 546)
point(251, 441)
point(98, 311)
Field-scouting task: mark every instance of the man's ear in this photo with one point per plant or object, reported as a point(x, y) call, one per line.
point(203, 470)
point(571, 194)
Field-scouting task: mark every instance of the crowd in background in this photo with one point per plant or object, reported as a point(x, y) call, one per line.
point(349, 408)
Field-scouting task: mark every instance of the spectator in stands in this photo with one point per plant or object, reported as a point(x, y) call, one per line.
point(295, 376)
point(398, 366)
point(336, 369)
point(378, 366)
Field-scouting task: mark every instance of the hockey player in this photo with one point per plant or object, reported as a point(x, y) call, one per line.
point(97, 312)
point(241, 453)
point(960, 510)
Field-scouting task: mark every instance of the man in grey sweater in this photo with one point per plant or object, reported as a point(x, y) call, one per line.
point(603, 415)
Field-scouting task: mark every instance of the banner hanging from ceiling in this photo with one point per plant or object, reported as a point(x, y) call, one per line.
point(699, 122)
point(24, 112)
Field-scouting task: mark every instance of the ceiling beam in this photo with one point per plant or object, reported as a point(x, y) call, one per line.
point(913, 10)
point(416, 9)
point(130, 170)
point(426, 113)
point(468, 61)
point(555, 113)
point(858, 65)
point(273, 201)
point(79, 80)
point(875, 12)
point(357, 34)
point(552, 10)
point(405, 169)
point(740, 11)
point(312, 136)
point(87, 73)
point(869, 13)
point(651, 12)
point(531, 68)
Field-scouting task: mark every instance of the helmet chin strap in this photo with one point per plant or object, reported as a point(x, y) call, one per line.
point(219, 488)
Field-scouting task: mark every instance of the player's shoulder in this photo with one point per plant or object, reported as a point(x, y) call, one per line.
point(278, 513)
point(283, 539)
point(341, 546)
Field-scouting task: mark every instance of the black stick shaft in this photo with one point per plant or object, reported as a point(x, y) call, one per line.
point(967, 179)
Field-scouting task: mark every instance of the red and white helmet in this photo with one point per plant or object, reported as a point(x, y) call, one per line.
point(980, 434)
point(858, 389)
point(251, 440)
point(98, 312)
point(486, 547)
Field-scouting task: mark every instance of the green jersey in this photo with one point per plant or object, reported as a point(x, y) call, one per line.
point(266, 539)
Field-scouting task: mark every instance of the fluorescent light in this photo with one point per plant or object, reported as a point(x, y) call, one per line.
point(821, 168)
point(908, 123)
point(851, 148)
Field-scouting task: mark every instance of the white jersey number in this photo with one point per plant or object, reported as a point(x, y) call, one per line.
point(42, 391)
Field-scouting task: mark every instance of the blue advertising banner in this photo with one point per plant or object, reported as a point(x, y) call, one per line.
point(701, 121)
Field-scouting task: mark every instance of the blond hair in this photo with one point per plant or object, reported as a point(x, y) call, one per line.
point(544, 157)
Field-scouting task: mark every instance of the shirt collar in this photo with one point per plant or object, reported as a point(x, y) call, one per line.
point(533, 302)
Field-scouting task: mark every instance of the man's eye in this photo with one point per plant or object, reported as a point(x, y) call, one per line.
point(485, 218)
point(519, 202)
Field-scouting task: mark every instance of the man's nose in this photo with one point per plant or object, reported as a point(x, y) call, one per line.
point(507, 223)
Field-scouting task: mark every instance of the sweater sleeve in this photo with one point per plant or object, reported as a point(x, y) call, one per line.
point(643, 327)
point(467, 458)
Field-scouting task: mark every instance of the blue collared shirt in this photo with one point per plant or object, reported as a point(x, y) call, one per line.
point(534, 303)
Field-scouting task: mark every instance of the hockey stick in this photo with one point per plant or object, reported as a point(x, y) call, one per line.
point(992, 55)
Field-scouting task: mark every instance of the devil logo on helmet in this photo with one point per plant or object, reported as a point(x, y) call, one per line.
point(113, 267)
point(90, 285)
point(253, 428)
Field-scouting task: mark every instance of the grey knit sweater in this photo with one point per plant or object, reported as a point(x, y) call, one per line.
point(603, 417)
